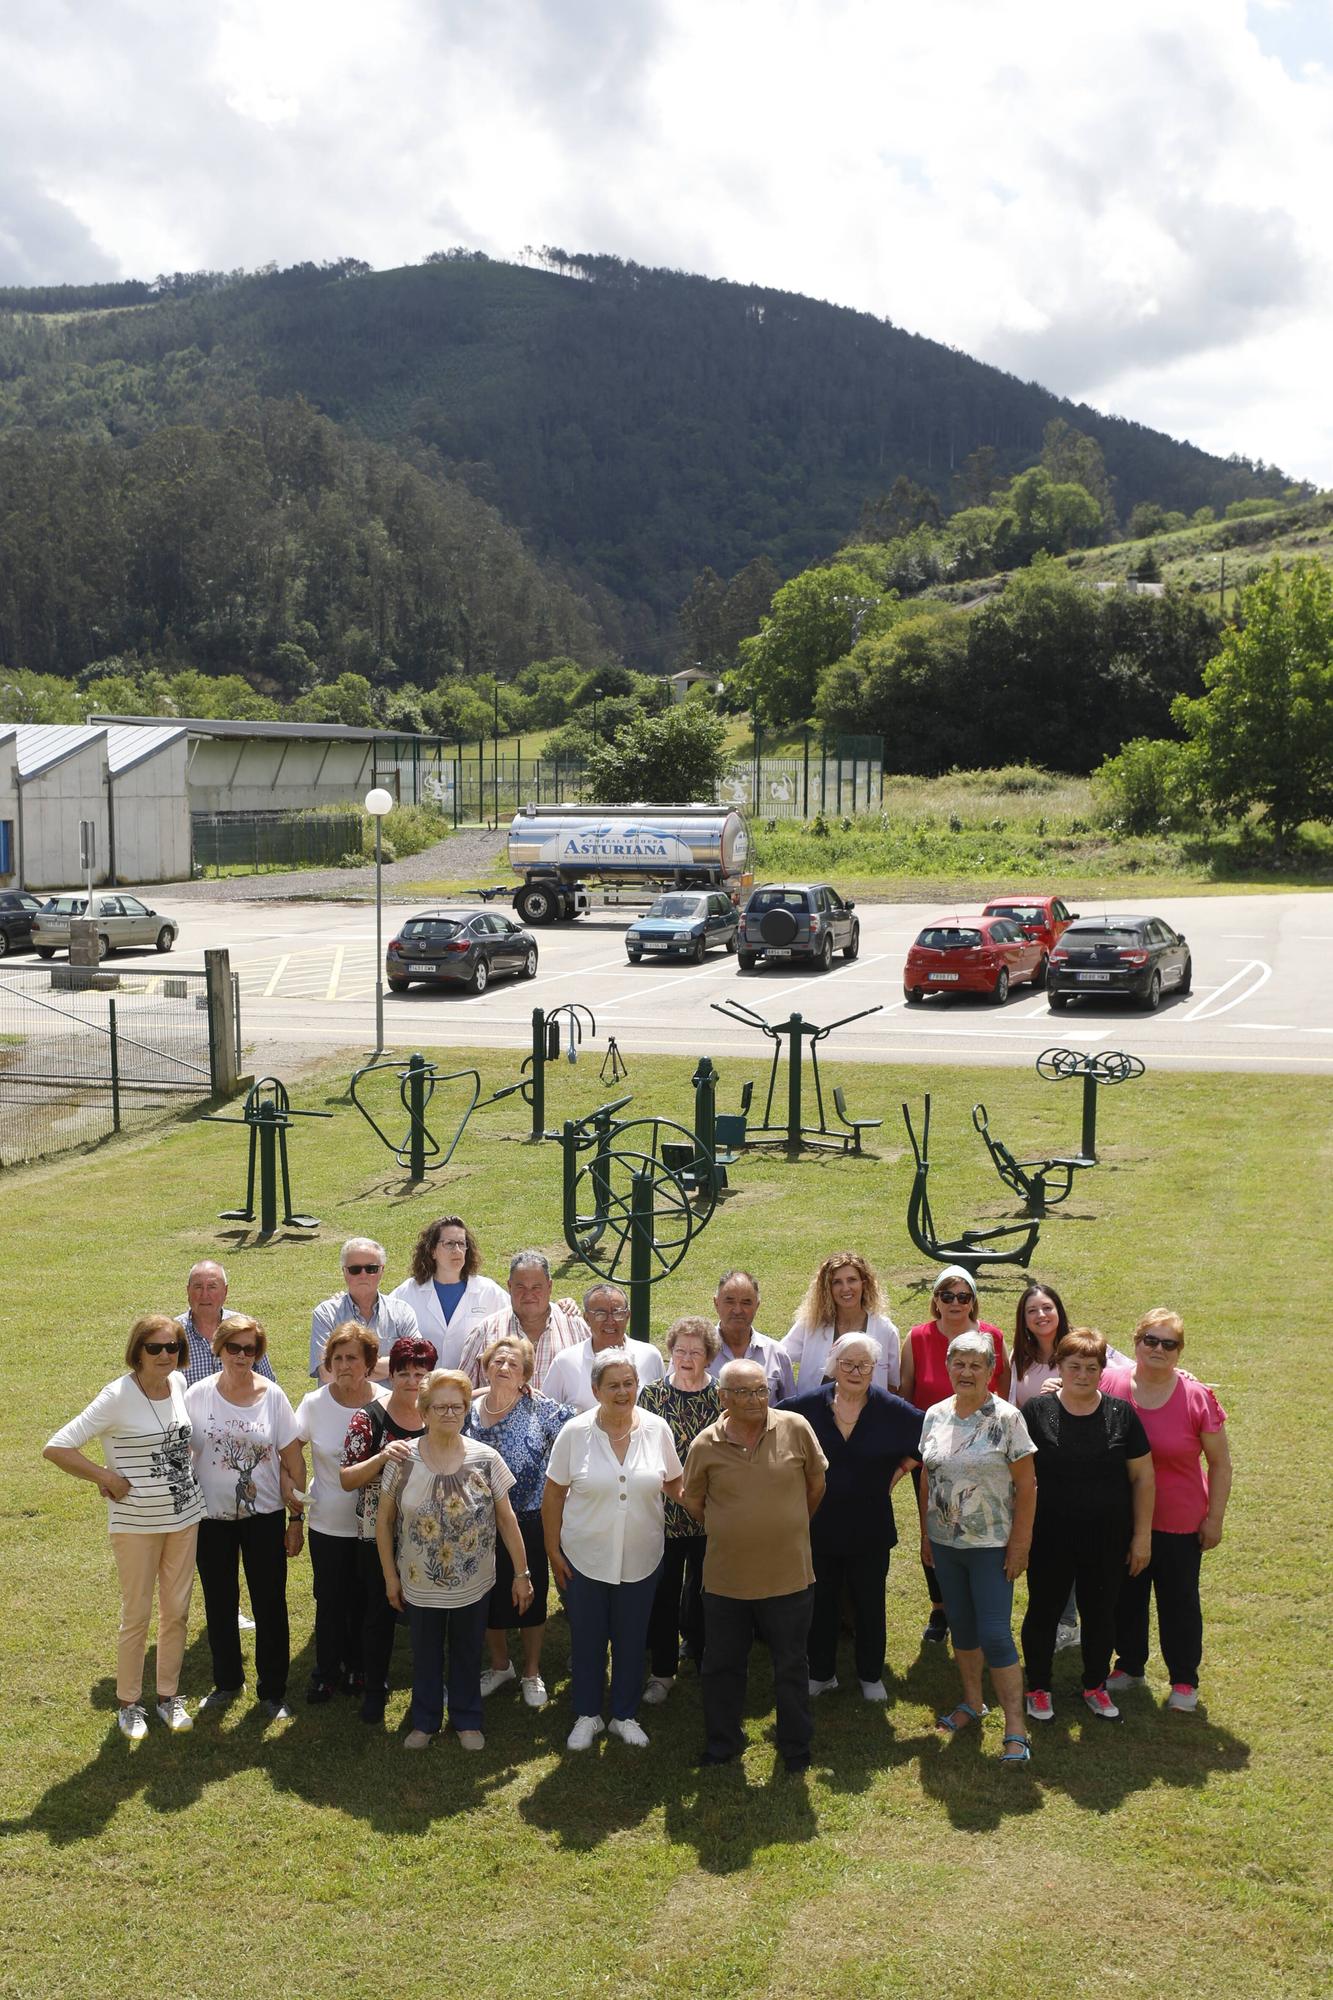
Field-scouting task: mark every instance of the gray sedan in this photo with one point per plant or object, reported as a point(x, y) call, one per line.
point(121, 921)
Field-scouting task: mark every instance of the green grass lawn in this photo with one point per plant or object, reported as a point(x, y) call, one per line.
point(1169, 1854)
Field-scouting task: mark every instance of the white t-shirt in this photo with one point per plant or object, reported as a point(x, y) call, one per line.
point(614, 1525)
point(322, 1424)
point(147, 1443)
point(569, 1377)
point(236, 1449)
point(808, 1350)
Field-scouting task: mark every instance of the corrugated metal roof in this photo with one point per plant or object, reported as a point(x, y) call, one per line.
point(129, 743)
point(42, 744)
point(323, 732)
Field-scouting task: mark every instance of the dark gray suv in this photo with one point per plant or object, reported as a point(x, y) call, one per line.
point(797, 920)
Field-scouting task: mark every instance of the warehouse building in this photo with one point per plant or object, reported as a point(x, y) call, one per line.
point(127, 783)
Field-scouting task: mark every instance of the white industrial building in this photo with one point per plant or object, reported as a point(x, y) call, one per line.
point(246, 767)
point(127, 782)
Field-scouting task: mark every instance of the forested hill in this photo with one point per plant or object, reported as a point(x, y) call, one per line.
point(634, 425)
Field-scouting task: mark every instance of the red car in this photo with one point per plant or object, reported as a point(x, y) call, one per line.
point(1045, 918)
point(966, 954)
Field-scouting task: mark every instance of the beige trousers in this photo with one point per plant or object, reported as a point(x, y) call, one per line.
point(143, 1561)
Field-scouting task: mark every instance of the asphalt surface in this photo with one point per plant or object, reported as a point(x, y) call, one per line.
point(1263, 972)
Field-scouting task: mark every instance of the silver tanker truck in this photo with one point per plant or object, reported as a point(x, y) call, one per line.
point(558, 850)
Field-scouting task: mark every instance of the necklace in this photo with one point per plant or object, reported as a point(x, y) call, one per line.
point(152, 1402)
point(489, 1411)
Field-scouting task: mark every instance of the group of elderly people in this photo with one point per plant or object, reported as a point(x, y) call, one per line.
point(469, 1445)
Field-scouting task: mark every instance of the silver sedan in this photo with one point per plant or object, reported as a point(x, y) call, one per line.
point(121, 921)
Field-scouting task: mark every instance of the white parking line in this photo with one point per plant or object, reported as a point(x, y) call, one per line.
point(277, 973)
point(336, 974)
point(1208, 1009)
point(804, 985)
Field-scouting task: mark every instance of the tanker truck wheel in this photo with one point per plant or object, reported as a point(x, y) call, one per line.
point(537, 904)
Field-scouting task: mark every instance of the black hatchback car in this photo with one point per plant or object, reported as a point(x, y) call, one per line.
point(17, 909)
point(1118, 958)
point(457, 945)
point(797, 920)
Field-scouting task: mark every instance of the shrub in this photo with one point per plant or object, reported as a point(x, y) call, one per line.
point(1146, 787)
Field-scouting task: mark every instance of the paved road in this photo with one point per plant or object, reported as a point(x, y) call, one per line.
point(1263, 973)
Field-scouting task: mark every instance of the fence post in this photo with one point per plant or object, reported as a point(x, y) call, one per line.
point(805, 777)
point(115, 1065)
point(222, 1032)
point(823, 777)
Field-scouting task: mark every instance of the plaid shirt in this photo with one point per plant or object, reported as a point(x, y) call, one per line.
point(203, 1362)
point(564, 1328)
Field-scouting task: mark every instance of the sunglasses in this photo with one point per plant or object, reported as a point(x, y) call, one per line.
point(1158, 1340)
point(161, 1347)
point(954, 1298)
point(235, 1347)
point(361, 1270)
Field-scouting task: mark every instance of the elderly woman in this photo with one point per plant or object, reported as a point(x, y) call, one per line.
point(153, 1511)
point(687, 1399)
point(925, 1379)
point(522, 1425)
point(1182, 1419)
point(243, 1436)
point(376, 1436)
point(978, 1496)
point(1094, 1519)
point(440, 1511)
point(604, 1516)
point(844, 1297)
point(871, 1439)
point(447, 1291)
point(322, 1421)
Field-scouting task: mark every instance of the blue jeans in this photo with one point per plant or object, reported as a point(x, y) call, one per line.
point(463, 1629)
point(979, 1599)
point(602, 1614)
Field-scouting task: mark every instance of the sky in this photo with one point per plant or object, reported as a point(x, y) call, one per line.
point(1126, 202)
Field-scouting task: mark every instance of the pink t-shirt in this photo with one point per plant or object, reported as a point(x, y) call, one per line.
point(1173, 1433)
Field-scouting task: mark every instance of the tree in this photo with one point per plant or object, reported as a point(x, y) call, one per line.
point(1262, 731)
point(674, 758)
point(904, 507)
point(816, 618)
point(978, 478)
point(1072, 457)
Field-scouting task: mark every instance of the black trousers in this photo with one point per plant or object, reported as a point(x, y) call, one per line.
point(927, 1569)
point(221, 1551)
point(1090, 1555)
point(731, 1626)
point(380, 1621)
point(862, 1572)
point(340, 1605)
point(1172, 1577)
point(678, 1610)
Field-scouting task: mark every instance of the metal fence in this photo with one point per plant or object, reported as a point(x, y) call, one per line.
point(84, 1053)
point(256, 841)
point(799, 787)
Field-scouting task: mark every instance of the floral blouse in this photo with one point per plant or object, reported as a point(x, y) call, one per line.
point(445, 1530)
point(969, 1493)
point(688, 1411)
point(523, 1437)
point(367, 1434)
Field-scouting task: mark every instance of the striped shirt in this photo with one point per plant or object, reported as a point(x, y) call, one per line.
point(565, 1327)
point(147, 1443)
point(203, 1362)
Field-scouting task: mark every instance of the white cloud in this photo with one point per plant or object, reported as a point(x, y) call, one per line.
point(1128, 204)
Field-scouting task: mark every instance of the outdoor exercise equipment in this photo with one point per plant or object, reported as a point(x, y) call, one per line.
point(268, 1114)
point(419, 1150)
point(1042, 1183)
point(794, 1135)
point(711, 1155)
point(627, 1214)
point(969, 1249)
point(1108, 1066)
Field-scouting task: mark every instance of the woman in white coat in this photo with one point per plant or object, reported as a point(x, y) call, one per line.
point(844, 1297)
point(446, 1290)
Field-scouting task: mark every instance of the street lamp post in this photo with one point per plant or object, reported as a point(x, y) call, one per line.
point(377, 803)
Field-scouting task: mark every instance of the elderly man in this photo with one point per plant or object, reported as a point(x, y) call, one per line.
point(361, 1299)
point(206, 1290)
point(752, 1481)
point(569, 1377)
point(533, 1312)
point(736, 1302)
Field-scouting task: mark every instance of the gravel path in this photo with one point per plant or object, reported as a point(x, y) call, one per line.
point(471, 851)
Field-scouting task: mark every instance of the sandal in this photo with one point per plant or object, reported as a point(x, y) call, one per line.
point(1023, 1754)
point(947, 1722)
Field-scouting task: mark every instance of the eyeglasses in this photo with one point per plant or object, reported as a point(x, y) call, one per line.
point(747, 1395)
point(608, 1312)
point(362, 1270)
point(954, 1298)
point(447, 1410)
point(1158, 1340)
point(161, 1347)
point(856, 1367)
point(235, 1347)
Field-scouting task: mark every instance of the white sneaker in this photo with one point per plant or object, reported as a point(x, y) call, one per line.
point(1117, 1682)
point(823, 1687)
point(470, 1739)
point(417, 1739)
point(658, 1688)
point(874, 1691)
point(534, 1691)
point(1066, 1635)
point(132, 1721)
point(1182, 1697)
point(175, 1714)
point(497, 1677)
point(628, 1731)
point(586, 1728)
point(244, 1624)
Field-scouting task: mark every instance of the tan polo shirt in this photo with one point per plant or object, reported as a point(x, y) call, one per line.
point(755, 1512)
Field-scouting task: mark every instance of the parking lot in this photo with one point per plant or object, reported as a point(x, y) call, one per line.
point(1263, 967)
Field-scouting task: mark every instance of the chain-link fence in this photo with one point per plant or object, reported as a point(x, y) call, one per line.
point(86, 1052)
point(252, 842)
point(823, 781)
